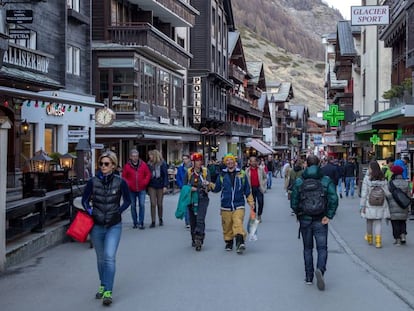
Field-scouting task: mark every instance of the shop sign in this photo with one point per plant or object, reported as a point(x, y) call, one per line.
point(19, 16)
point(401, 146)
point(163, 120)
point(55, 110)
point(19, 34)
point(197, 100)
point(370, 15)
point(24, 58)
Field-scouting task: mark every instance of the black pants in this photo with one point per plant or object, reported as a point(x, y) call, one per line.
point(197, 221)
point(398, 227)
point(258, 196)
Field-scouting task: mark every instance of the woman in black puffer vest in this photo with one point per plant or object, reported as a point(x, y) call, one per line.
point(105, 191)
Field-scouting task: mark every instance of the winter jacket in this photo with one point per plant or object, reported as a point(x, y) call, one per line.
point(401, 163)
point(232, 195)
point(161, 181)
point(373, 212)
point(332, 171)
point(315, 172)
point(262, 178)
point(180, 176)
point(349, 169)
point(186, 198)
point(294, 174)
point(105, 193)
point(396, 212)
point(138, 177)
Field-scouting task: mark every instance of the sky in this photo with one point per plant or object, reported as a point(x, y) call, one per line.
point(344, 6)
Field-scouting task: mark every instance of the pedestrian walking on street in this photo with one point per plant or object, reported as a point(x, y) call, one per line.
point(198, 178)
point(373, 205)
point(350, 170)
point(181, 174)
point(270, 164)
point(234, 186)
point(294, 174)
point(386, 168)
point(137, 175)
point(398, 214)
point(403, 163)
point(158, 185)
point(258, 180)
point(101, 199)
point(286, 173)
point(314, 201)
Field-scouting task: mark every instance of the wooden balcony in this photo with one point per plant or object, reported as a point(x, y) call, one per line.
point(254, 92)
point(238, 129)
point(343, 70)
point(258, 133)
point(146, 37)
point(255, 112)
point(236, 73)
point(171, 10)
point(239, 103)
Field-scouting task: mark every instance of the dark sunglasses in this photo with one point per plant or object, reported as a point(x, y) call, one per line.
point(104, 163)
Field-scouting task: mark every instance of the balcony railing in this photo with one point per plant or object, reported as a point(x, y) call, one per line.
point(175, 7)
point(236, 73)
point(255, 112)
point(238, 129)
point(254, 91)
point(239, 103)
point(144, 35)
point(258, 133)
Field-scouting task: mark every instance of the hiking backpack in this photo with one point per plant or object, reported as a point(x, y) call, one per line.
point(376, 196)
point(312, 197)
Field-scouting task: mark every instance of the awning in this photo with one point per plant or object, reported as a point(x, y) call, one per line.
point(396, 115)
point(260, 146)
point(58, 97)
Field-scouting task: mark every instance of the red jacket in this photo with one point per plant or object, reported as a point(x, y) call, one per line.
point(136, 178)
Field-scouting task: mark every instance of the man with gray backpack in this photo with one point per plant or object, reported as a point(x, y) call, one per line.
point(314, 201)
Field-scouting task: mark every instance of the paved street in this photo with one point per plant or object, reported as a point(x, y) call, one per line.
point(157, 269)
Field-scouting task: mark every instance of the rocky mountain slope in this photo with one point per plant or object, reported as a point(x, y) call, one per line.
point(286, 36)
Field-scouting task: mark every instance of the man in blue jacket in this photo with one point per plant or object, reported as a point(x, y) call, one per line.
point(235, 186)
point(314, 226)
point(179, 179)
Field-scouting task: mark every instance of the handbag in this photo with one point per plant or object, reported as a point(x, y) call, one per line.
point(80, 227)
point(402, 199)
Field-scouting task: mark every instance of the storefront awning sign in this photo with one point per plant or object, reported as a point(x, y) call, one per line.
point(375, 139)
point(333, 115)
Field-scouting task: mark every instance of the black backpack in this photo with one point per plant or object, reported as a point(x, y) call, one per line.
point(313, 200)
point(402, 199)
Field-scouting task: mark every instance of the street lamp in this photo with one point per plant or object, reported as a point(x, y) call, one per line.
point(40, 162)
point(67, 162)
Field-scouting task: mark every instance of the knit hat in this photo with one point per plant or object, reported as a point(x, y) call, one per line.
point(196, 157)
point(229, 156)
point(397, 170)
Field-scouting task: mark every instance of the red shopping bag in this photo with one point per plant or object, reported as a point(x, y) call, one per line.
point(80, 227)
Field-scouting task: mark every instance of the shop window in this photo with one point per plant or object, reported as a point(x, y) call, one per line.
point(50, 138)
point(73, 60)
point(74, 5)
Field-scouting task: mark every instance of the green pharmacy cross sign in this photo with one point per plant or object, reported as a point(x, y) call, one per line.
point(399, 134)
point(375, 139)
point(333, 115)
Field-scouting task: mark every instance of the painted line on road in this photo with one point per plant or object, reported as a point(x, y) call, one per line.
point(388, 283)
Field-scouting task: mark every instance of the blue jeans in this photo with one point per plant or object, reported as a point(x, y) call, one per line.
point(105, 241)
point(310, 230)
point(141, 201)
point(269, 180)
point(349, 185)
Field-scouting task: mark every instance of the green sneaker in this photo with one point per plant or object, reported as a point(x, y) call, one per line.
point(107, 298)
point(100, 292)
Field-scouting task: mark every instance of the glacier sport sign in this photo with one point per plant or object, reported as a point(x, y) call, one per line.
point(370, 15)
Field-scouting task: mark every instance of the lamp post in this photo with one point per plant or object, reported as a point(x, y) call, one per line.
point(39, 165)
point(67, 162)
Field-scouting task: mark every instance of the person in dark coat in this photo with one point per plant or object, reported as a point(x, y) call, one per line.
point(158, 184)
point(314, 228)
point(331, 170)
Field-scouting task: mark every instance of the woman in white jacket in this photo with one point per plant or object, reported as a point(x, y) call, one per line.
point(373, 213)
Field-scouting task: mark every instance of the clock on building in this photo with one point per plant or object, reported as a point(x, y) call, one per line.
point(105, 116)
